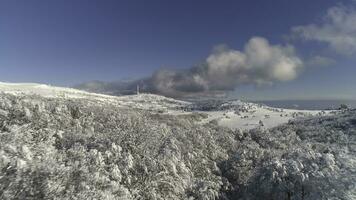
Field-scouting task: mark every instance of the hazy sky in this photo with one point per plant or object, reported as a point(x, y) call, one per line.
point(66, 42)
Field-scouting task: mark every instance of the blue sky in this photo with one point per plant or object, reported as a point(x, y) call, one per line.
point(64, 42)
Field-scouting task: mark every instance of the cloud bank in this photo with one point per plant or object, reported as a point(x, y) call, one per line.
point(259, 63)
point(337, 29)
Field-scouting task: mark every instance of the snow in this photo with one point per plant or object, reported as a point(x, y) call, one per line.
point(248, 117)
point(249, 120)
point(45, 90)
point(142, 101)
point(131, 147)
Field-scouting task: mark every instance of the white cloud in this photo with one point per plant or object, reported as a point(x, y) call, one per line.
point(225, 69)
point(259, 63)
point(338, 30)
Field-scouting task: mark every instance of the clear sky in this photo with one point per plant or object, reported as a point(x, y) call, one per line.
point(66, 42)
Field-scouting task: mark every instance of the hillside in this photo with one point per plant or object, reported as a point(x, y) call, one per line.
point(233, 114)
point(96, 148)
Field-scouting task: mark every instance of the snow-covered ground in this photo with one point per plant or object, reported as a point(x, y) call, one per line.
point(142, 101)
point(59, 143)
point(238, 115)
point(258, 115)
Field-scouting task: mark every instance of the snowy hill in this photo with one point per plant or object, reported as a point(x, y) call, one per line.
point(142, 101)
point(236, 114)
point(58, 143)
point(232, 114)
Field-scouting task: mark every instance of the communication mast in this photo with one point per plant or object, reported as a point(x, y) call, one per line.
point(138, 89)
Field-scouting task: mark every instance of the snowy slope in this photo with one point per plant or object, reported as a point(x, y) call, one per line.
point(87, 148)
point(142, 101)
point(245, 115)
point(232, 114)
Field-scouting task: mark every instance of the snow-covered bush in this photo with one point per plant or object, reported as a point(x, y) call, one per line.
point(60, 148)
